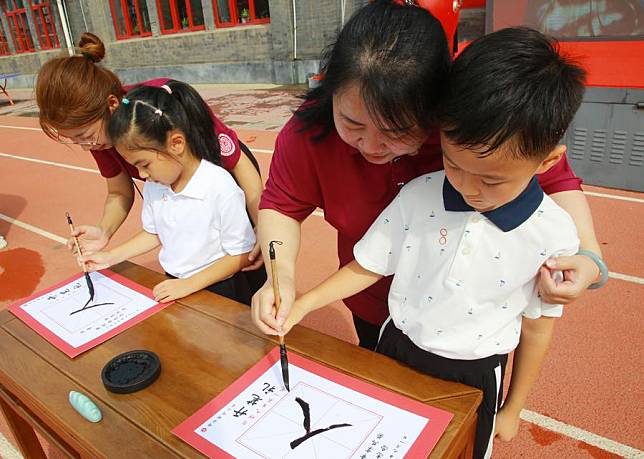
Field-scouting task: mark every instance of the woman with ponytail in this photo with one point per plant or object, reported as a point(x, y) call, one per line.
point(77, 96)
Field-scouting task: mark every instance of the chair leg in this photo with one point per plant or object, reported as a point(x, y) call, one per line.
point(3, 88)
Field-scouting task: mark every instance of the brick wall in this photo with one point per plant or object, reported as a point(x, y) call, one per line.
point(255, 53)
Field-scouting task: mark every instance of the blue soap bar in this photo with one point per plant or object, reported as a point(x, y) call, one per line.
point(85, 406)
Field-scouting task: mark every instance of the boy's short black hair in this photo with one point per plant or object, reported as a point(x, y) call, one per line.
point(511, 85)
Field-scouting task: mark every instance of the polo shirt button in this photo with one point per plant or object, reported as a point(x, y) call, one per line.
point(466, 251)
point(401, 183)
point(476, 218)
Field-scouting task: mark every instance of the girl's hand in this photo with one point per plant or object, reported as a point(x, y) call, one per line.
point(506, 425)
point(579, 271)
point(263, 310)
point(90, 238)
point(172, 289)
point(256, 259)
point(97, 261)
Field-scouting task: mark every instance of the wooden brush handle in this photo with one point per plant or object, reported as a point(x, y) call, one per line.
point(276, 292)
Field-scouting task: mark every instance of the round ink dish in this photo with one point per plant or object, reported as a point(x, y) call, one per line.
point(131, 371)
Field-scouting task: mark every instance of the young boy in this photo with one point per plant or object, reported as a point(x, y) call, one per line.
point(465, 245)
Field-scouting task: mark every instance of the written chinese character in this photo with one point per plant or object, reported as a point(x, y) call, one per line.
point(240, 412)
point(256, 398)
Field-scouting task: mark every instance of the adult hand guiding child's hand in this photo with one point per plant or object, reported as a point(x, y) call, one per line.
point(90, 238)
point(578, 271)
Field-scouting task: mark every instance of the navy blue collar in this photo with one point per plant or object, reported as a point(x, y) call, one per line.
point(507, 217)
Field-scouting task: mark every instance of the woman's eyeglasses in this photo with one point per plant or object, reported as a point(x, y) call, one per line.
point(91, 141)
point(77, 142)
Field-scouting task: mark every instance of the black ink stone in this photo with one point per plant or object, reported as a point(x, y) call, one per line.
point(131, 371)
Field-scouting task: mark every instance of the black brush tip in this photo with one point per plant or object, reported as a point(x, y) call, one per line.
point(284, 365)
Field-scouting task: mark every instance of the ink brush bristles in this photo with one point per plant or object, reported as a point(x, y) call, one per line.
point(90, 284)
point(278, 302)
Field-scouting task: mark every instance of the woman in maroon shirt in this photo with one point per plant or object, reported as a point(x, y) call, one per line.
point(358, 138)
point(76, 98)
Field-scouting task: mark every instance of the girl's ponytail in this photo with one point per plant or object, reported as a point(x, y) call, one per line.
point(147, 114)
point(201, 126)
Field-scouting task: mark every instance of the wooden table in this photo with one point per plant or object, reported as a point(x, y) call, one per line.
point(204, 342)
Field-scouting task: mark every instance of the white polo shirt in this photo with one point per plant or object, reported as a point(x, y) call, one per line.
point(204, 222)
point(463, 279)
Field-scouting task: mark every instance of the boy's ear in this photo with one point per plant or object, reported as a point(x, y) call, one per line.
point(553, 158)
point(112, 103)
point(176, 143)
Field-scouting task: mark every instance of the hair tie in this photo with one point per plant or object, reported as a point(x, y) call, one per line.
point(125, 100)
point(158, 112)
point(167, 88)
point(89, 57)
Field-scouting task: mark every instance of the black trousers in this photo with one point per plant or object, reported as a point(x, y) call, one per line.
point(485, 374)
point(239, 287)
point(367, 333)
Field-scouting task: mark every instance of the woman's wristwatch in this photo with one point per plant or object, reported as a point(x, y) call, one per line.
point(603, 269)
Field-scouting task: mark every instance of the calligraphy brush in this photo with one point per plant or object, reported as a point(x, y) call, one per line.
point(90, 284)
point(278, 302)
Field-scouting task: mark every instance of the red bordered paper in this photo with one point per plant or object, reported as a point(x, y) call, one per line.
point(19, 309)
point(215, 431)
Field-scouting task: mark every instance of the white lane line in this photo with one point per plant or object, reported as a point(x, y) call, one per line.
point(49, 163)
point(7, 450)
point(33, 229)
point(20, 127)
point(581, 434)
point(260, 150)
point(626, 277)
point(6, 126)
point(614, 196)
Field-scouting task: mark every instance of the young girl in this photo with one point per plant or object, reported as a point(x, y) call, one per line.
point(76, 96)
point(192, 207)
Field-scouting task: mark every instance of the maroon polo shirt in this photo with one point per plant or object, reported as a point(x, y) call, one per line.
point(333, 176)
point(110, 163)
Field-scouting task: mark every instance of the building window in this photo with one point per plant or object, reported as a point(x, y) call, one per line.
point(44, 22)
point(231, 13)
point(180, 15)
point(18, 26)
point(130, 19)
point(4, 45)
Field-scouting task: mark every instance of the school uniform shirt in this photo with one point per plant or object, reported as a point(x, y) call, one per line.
point(330, 174)
point(463, 279)
point(110, 163)
point(204, 222)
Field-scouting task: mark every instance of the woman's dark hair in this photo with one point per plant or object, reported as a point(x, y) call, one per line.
point(396, 54)
point(145, 117)
point(514, 86)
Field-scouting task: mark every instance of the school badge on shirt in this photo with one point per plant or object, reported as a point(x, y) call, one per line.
point(226, 145)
